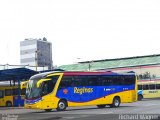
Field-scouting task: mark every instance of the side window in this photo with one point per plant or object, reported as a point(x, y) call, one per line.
point(1, 94)
point(23, 91)
point(15, 91)
point(79, 81)
point(8, 92)
point(93, 81)
point(48, 86)
point(152, 87)
point(54, 81)
point(157, 86)
point(66, 82)
point(139, 87)
point(117, 80)
point(129, 80)
point(145, 87)
point(106, 80)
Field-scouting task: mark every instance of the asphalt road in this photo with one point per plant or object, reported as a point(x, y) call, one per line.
point(142, 110)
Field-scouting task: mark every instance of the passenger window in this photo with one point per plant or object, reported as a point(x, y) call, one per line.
point(66, 82)
point(145, 87)
point(15, 91)
point(139, 87)
point(48, 86)
point(152, 87)
point(157, 86)
point(118, 80)
point(8, 92)
point(129, 80)
point(93, 81)
point(1, 94)
point(23, 91)
point(106, 80)
point(79, 81)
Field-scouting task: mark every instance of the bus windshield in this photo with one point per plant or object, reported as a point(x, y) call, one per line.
point(32, 91)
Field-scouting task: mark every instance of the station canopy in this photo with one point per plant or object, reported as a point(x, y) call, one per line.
point(16, 74)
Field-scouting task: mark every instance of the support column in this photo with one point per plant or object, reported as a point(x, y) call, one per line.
point(19, 93)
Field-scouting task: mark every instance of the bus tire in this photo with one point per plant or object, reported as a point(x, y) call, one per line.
point(101, 106)
point(140, 97)
point(48, 110)
point(8, 104)
point(62, 105)
point(116, 102)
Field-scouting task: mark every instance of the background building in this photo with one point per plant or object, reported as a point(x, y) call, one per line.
point(36, 52)
point(146, 67)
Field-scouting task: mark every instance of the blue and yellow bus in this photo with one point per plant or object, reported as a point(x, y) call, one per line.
point(59, 90)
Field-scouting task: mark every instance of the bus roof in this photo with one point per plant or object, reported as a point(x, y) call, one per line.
point(94, 73)
point(42, 75)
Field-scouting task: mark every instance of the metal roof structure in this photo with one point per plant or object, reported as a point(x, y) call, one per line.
point(114, 63)
point(16, 74)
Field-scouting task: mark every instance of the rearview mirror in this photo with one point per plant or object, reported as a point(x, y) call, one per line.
point(41, 81)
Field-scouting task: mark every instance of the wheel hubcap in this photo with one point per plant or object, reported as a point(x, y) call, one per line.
point(61, 105)
point(116, 103)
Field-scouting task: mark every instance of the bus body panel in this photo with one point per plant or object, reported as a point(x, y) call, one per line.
point(84, 95)
point(6, 98)
point(147, 90)
point(89, 93)
point(50, 102)
point(10, 96)
point(151, 93)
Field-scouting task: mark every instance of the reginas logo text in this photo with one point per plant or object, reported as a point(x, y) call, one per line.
point(83, 90)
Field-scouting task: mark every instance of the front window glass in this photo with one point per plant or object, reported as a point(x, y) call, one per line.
point(45, 88)
point(8, 92)
point(32, 91)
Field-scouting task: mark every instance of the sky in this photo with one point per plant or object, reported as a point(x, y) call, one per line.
point(81, 30)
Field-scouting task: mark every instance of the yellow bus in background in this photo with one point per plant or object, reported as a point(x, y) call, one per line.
point(6, 97)
point(59, 90)
point(9, 95)
point(148, 89)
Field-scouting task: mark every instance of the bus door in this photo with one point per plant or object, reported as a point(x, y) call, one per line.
point(8, 97)
point(1, 98)
point(47, 89)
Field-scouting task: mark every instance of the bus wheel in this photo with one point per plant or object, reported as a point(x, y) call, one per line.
point(140, 97)
point(8, 104)
point(62, 105)
point(116, 102)
point(48, 110)
point(101, 106)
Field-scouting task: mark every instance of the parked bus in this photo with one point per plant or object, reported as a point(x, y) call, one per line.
point(9, 95)
point(59, 90)
point(148, 89)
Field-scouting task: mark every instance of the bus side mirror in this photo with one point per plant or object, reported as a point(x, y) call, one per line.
point(24, 84)
point(41, 81)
